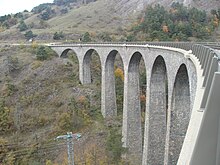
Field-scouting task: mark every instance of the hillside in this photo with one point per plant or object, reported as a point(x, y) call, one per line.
point(114, 17)
point(200, 4)
point(95, 17)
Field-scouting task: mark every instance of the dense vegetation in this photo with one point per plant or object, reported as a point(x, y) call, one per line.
point(7, 21)
point(178, 24)
point(63, 2)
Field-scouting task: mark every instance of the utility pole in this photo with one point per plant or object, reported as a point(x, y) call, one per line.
point(69, 138)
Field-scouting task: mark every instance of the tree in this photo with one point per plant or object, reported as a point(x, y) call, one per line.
point(41, 53)
point(165, 29)
point(5, 119)
point(119, 73)
point(49, 162)
point(130, 38)
point(58, 35)
point(18, 15)
point(12, 63)
point(29, 34)
point(179, 23)
point(86, 37)
point(63, 2)
point(40, 8)
point(22, 26)
point(105, 37)
point(114, 145)
point(64, 11)
point(4, 149)
point(47, 14)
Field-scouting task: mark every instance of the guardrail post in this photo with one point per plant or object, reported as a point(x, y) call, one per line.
point(205, 52)
point(208, 52)
point(213, 69)
point(206, 71)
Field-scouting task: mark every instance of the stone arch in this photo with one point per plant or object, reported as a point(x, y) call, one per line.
point(180, 114)
point(109, 100)
point(158, 105)
point(70, 57)
point(65, 52)
point(86, 65)
point(132, 110)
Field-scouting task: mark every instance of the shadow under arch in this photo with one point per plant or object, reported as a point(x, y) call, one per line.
point(180, 114)
point(70, 58)
point(158, 104)
point(114, 72)
point(64, 54)
point(132, 125)
point(89, 75)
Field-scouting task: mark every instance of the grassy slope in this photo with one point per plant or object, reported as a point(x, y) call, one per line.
point(96, 17)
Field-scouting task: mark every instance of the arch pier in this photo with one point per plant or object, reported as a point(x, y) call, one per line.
point(174, 80)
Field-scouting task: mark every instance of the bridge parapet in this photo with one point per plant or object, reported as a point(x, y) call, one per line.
point(207, 147)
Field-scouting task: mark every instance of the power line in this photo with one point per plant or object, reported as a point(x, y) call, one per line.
point(30, 150)
point(69, 138)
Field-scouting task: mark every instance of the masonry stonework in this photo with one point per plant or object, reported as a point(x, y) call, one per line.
point(171, 85)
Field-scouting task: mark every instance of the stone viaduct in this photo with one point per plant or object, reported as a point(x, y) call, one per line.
point(182, 115)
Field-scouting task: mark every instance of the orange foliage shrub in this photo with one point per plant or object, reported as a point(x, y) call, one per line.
point(143, 98)
point(82, 99)
point(119, 73)
point(216, 21)
point(165, 29)
point(142, 20)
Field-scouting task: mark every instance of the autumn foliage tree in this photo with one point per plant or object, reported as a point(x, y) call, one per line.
point(119, 73)
point(165, 29)
point(178, 24)
point(119, 79)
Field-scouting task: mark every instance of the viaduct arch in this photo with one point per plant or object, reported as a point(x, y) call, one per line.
point(172, 84)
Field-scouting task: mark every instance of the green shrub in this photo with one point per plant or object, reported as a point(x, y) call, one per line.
point(86, 37)
point(5, 118)
point(22, 26)
point(114, 145)
point(58, 36)
point(29, 34)
point(43, 53)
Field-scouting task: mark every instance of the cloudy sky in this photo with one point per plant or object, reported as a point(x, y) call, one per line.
point(15, 6)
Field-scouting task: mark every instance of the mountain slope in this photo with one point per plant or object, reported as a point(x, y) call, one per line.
point(200, 4)
point(111, 16)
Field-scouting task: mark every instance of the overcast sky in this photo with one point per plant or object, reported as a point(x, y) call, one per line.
point(15, 6)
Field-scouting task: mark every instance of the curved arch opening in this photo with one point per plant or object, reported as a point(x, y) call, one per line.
point(67, 52)
point(133, 111)
point(70, 59)
point(92, 68)
point(119, 83)
point(158, 105)
point(114, 87)
point(180, 114)
point(91, 79)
